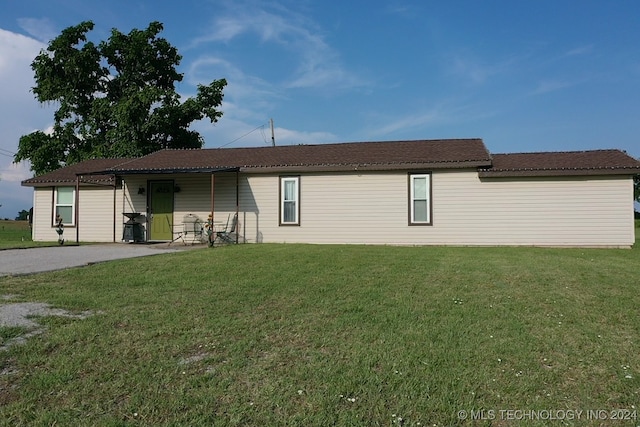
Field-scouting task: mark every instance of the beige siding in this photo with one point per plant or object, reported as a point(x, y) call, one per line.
point(43, 215)
point(96, 215)
point(96, 212)
point(570, 211)
point(195, 196)
point(373, 208)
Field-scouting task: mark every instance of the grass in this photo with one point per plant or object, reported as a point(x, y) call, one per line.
point(14, 232)
point(300, 335)
point(9, 332)
point(17, 234)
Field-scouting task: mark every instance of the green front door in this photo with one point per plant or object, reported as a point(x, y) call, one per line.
point(161, 210)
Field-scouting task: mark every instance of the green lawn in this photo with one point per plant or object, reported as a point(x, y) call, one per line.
point(14, 233)
point(17, 234)
point(304, 335)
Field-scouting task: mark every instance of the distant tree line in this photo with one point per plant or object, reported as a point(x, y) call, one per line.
point(22, 215)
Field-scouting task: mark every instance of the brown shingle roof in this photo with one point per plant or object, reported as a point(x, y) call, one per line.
point(453, 153)
point(67, 175)
point(390, 155)
point(595, 162)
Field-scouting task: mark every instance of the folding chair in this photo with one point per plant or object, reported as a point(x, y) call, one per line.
point(192, 229)
point(225, 234)
point(177, 235)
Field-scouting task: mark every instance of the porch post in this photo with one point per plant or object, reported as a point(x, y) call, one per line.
point(237, 205)
point(77, 209)
point(212, 202)
point(115, 187)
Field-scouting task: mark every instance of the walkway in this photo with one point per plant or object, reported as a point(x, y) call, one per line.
point(37, 260)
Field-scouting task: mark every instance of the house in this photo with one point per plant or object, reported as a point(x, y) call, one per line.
point(425, 192)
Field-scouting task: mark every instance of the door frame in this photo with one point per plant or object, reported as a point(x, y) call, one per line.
point(150, 183)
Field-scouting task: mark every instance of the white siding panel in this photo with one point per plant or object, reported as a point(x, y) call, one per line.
point(95, 222)
point(572, 211)
point(258, 200)
point(43, 230)
point(337, 208)
point(96, 215)
point(373, 208)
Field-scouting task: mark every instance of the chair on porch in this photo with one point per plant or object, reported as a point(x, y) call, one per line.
point(225, 234)
point(192, 230)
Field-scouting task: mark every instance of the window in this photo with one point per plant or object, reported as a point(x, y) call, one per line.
point(64, 199)
point(290, 200)
point(420, 199)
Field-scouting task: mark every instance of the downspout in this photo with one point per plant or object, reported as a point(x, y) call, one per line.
point(213, 180)
point(115, 187)
point(211, 230)
point(77, 209)
point(237, 205)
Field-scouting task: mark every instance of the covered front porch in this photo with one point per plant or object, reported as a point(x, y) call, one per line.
point(172, 206)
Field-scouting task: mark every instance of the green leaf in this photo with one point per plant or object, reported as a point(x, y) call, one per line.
point(115, 98)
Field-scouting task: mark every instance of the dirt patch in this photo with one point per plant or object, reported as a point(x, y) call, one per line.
point(23, 315)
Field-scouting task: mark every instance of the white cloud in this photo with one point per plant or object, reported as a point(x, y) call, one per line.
point(15, 172)
point(410, 122)
point(547, 86)
point(232, 132)
point(16, 50)
point(246, 97)
point(20, 114)
point(318, 64)
point(479, 71)
point(472, 70)
point(551, 86)
point(42, 29)
point(441, 115)
point(239, 84)
point(581, 50)
point(250, 100)
point(285, 136)
point(401, 9)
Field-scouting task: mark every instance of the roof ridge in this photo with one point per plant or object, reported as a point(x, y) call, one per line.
point(560, 152)
point(128, 160)
point(318, 144)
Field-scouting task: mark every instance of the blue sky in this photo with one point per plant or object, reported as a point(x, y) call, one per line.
point(548, 75)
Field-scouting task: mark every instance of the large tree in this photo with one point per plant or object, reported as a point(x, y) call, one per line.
point(117, 98)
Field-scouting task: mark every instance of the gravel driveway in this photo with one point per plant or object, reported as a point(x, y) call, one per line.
point(37, 260)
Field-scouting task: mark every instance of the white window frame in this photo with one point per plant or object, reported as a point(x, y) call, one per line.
point(56, 205)
point(413, 197)
point(296, 200)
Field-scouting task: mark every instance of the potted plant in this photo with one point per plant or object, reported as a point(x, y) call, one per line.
point(59, 229)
